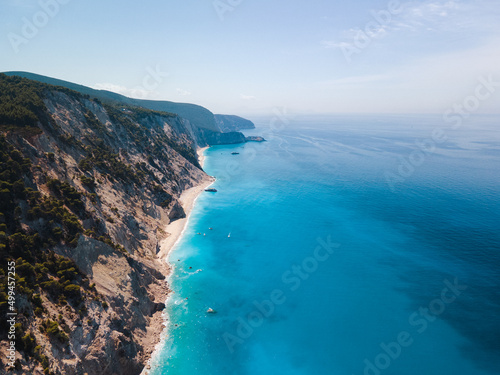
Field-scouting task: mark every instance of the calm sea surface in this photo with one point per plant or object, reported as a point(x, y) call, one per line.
point(343, 245)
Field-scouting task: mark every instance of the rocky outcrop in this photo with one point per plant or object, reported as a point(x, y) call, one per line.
point(231, 123)
point(176, 211)
point(110, 341)
point(253, 138)
point(215, 138)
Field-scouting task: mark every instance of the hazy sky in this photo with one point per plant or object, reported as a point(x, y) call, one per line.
point(249, 56)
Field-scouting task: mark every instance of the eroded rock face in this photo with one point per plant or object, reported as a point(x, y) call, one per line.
point(176, 212)
point(90, 146)
point(115, 336)
point(231, 123)
point(216, 138)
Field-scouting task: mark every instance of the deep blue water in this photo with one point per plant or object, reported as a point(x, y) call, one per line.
point(350, 252)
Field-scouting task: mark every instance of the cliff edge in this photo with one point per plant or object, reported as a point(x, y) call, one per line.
point(203, 126)
point(86, 188)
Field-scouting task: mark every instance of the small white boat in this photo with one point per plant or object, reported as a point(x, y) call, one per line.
point(229, 235)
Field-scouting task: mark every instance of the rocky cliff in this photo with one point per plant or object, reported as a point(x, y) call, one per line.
point(203, 126)
point(231, 123)
point(217, 138)
point(86, 189)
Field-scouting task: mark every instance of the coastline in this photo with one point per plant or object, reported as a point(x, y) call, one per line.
point(187, 201)
point(175, 230)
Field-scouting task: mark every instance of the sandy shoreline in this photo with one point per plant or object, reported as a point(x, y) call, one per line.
point(176, 229)
point(187, 200)
point(201, 155)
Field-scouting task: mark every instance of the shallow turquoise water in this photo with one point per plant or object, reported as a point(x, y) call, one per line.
point(331, 266)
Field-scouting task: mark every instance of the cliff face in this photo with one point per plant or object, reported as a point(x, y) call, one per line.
point(204, 127)
point(86, 189)
point(231, 123)
point(216, 138)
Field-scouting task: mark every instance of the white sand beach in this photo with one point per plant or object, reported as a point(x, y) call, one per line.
point(187, 200)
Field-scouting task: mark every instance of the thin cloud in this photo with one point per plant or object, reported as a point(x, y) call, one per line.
point(433, 16)
point(428, 84)
point(183, 92)
point(334, 44)
point(137, 93)
point(247, 97)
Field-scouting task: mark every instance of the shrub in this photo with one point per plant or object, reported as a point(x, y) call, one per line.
point(72, 290)
point(53, 287)
point(37, 300)
point(88, 182)
point(28, 342)
point(53, 330)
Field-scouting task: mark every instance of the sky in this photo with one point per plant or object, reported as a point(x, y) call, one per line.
point(253, 56)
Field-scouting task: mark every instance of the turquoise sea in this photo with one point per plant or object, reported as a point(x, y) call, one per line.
point(343, 245)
